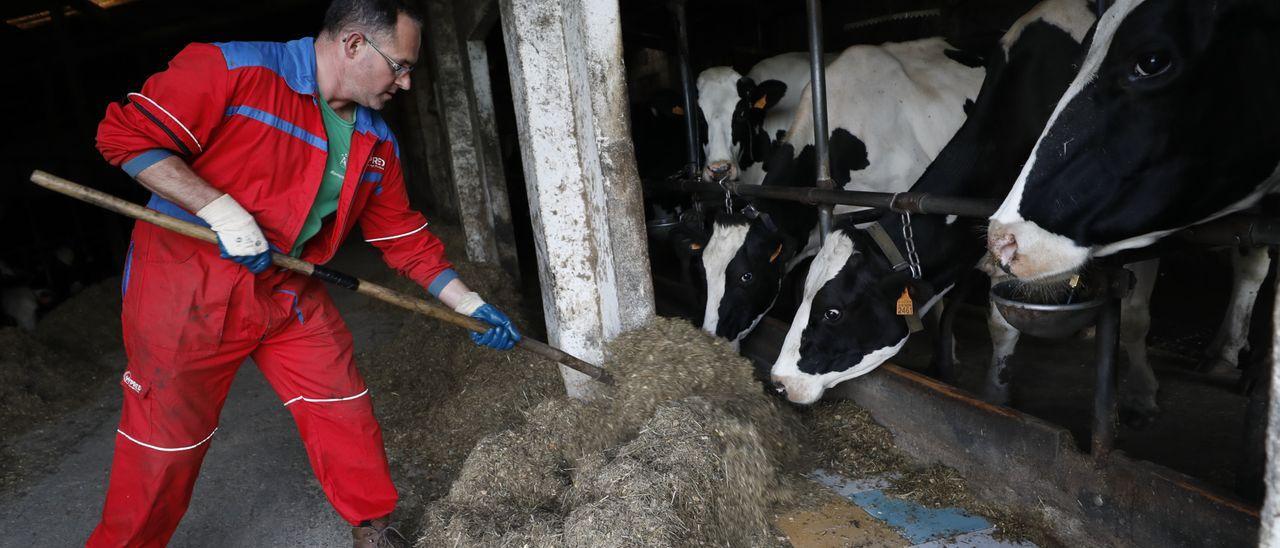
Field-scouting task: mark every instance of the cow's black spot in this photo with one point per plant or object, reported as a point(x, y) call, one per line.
point(967, 58)
point(848, 154)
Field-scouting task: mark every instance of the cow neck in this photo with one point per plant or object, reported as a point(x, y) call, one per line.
point(944, 249)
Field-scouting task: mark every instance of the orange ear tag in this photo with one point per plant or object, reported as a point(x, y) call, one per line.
point(677, 110)
point(776, 252)
point(905, 307)
point(761, 102)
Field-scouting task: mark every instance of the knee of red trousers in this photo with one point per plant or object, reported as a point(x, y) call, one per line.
point(344, 444)
point(147, 495)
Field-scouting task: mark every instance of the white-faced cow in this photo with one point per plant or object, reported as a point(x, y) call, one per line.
point(1172, 121)
point(847, 323)
point(891, 110)
point(746, 116)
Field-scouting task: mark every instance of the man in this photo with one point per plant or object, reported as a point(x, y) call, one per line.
point(275, 146)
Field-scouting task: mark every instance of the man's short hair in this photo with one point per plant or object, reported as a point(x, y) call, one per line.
point(378, 16)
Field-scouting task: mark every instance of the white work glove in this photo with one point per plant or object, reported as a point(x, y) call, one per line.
point(469, 303)
point(239, 237)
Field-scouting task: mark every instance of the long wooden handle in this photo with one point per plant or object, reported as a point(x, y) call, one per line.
point(384, 294)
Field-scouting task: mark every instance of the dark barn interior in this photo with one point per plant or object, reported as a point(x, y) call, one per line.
point(68, 60)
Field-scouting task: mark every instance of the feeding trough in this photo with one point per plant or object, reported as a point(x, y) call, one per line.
point(1052, 312)
point(660, 229)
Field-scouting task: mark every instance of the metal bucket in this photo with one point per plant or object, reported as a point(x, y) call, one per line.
point(660, 229)
point(1051, 321)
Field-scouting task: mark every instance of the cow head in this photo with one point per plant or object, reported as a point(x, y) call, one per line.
point(734, 108)
point(1171, 121)
point(846, 324)
point(744, 263)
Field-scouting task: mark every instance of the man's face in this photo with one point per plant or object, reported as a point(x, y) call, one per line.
point(372, 80)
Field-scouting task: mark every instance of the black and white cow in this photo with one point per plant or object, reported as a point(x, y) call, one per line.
point(847, 323)
point(1172, 121)
point(891, 109)
point(746, 116)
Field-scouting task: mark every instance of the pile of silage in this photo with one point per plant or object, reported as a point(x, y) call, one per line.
point(685, 450)
point(48, 373)
point(87, 324)
point(45, 373)
point(436, 394)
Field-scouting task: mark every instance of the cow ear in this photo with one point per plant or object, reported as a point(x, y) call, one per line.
point(921, 291)
point(767, 94)
point(745, 87)
point(891, 286)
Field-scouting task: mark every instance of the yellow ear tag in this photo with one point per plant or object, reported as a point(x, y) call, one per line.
point(760, 103)
point(695, 247)
point(905, 307)
point(776, 252)
point(1075, 281)
point(677, 110)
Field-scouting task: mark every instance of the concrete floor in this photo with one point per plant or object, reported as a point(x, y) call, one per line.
point(256, 486)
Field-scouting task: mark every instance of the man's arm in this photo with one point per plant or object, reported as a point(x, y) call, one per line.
point(174, 180)
point(239, 237)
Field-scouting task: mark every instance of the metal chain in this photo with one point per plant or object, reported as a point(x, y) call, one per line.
point(908, 235)
point(728, 196)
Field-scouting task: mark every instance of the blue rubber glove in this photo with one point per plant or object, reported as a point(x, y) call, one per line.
point(502, 336)
point(255, 263)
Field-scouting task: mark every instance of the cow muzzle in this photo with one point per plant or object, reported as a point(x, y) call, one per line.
point(1003, 246)
point(1029, 252)
point(797, 390)
point(720, 170)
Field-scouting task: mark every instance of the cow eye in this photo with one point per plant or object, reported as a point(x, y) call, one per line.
point(746, 278)
point(1151, 64)
point(832, 315)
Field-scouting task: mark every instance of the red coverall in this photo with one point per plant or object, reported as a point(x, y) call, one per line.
point(245, 117)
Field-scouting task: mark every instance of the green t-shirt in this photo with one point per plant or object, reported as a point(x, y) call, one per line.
point(338, 132)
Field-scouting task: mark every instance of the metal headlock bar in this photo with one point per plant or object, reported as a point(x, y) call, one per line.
point(687, 93)
point(912, 202)
point(818, 92)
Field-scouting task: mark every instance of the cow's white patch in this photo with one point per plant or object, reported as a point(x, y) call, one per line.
point(951, 219)
point(1040, 254)
point(804, 389)
point(835, 253)
point(1072, 16)
point(717, 98)
point(726, 240)
point(904, 101)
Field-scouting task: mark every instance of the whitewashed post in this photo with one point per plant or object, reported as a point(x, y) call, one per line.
point(1269, 533)
point(489, 148)
point(565, 60)
point(453, 91)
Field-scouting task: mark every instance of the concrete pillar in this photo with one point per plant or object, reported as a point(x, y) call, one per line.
point(430, 132)
point(1269, 533)
point(567, 82)
point(489, 149)
point(453, 92)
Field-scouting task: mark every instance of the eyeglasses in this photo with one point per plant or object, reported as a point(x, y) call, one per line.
point(399, 69)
